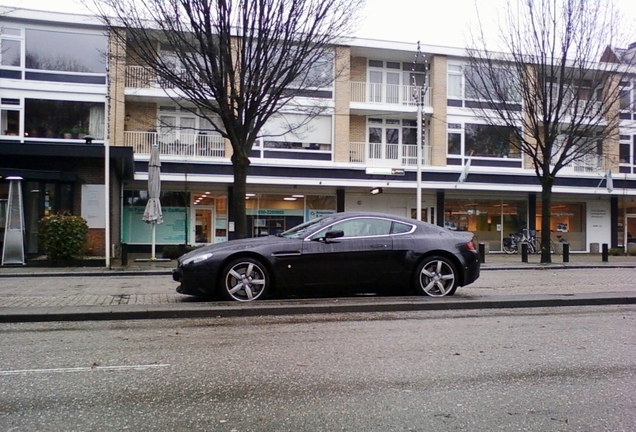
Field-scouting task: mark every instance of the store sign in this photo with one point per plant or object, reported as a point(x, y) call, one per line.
point(274, 212)
point(313, 214)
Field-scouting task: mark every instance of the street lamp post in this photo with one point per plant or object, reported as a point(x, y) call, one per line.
point(419, 93)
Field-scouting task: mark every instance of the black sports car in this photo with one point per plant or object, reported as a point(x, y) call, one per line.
point(343, 253)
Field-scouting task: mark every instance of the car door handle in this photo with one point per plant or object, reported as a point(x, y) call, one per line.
point(379, 246)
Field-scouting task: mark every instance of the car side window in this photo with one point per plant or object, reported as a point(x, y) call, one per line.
point(360, 227)
point(399, 227)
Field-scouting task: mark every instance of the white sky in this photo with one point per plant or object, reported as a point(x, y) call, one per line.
point(433, 22)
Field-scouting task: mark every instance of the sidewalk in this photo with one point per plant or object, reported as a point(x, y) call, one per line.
point(144, 290)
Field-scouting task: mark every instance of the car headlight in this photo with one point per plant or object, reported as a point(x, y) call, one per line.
point(196, 259)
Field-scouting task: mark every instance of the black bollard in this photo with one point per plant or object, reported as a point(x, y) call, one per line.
point(566, 252)
point(605, 252)
point(524, 252)
point(482, 252)
point(124, 254)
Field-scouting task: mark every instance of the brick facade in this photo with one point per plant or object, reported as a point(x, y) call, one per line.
point(438, 129)
point(342, 90)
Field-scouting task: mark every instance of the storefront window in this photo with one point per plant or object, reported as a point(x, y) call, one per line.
point(567, 222)
point(175, 208)
point(489, 220)
point(272, 214)
point(626, 222)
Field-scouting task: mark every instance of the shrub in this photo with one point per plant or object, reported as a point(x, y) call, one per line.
point(63, 236)
point(616, 251)
point(175, 251)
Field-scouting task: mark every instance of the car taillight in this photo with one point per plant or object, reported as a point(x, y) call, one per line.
point(471, 246)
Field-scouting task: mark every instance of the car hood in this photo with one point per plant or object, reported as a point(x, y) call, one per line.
point(237, 245)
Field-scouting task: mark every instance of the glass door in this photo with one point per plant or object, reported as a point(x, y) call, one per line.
point(375, 86)
point(392, 87)
point(203, 225)
point(630, 229)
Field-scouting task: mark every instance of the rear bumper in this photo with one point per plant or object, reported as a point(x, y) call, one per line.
point(472, 270)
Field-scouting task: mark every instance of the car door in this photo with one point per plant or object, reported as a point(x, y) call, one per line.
point(362, 257)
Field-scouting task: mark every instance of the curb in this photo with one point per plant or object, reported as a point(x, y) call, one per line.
point(93, 273)
point(303, 307)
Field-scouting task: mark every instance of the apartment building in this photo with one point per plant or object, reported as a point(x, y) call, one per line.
point(365, 141)
point(53, 87)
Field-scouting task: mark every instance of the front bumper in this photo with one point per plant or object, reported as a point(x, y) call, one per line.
point(193, 283)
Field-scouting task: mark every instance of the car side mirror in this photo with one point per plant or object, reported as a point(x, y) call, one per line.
point(330, 235)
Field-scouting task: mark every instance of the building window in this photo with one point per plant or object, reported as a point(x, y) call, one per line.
point(10, 46)
point(10, 111)
point(489, 141)
point(455, 82)
point(319, 76)
point(392, 139)
point(298, 132)
point(63, 119)
point(391, 81)
point(65, 51)
point(489, 83)
point(485, 141)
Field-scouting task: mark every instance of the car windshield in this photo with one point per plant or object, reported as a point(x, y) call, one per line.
point(302, 230)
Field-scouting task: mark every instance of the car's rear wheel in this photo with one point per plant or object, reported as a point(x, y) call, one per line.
point(436, 277)
point(245, 279)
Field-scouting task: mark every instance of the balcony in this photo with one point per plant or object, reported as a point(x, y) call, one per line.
point(394, 155)
point(176, 144)
point(386, 94)
point(589, 163)
point(140, 77)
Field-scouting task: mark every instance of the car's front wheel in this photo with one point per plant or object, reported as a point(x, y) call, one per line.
point(436, 277)
point(245, 279)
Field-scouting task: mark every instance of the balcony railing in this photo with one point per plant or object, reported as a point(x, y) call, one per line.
point(141, 77)
point(391, 94)
point(387, 154)
point(176, 144)
point(589, 163)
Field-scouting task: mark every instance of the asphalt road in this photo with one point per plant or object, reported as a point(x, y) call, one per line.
point(555, 369)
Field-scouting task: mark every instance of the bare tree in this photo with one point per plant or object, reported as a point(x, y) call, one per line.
point(546, 85)
point(235, 63)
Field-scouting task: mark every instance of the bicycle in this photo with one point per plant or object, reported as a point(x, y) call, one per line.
point(510, 245)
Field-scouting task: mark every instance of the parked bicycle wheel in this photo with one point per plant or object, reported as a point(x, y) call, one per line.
point(509, 246)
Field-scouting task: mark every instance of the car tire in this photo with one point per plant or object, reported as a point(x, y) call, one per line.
point(435, 277)
point(244, 280)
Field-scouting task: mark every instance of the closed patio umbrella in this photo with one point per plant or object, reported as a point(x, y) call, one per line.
point(152, 214)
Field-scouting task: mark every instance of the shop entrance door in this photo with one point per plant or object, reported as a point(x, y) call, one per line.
point(630, 229)
point(203, 225)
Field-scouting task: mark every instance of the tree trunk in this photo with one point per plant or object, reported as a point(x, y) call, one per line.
point(240, 165)
point(546, 202)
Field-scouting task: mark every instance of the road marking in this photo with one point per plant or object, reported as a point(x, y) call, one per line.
point(82, 369)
